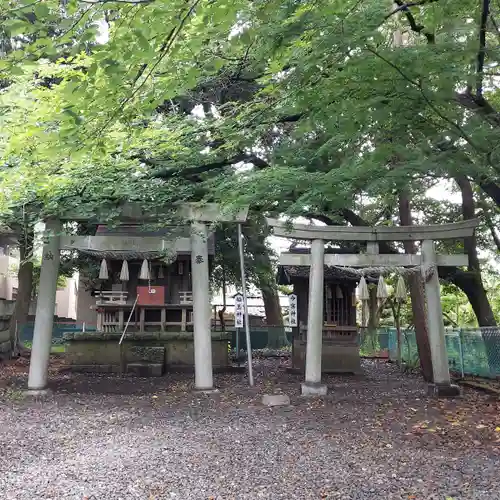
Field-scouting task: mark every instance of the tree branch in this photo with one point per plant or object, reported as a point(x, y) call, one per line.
point(492, 189)
point(417, 28)
point(431, 105)
point(493, 231)
point(133, 2)
point(406, 6)
point(485, 11)
point(208, 167)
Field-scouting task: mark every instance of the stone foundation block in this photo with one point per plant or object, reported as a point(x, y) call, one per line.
point(95, 368)
point(311, 389)
point(139, 353)
point(275, 400)
point(5, 347)
point(145, 369)
point(443, 390)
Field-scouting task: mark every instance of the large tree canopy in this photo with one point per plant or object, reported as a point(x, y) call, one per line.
point(339, 111)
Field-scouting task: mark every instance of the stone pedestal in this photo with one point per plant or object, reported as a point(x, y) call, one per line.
point(313, 389)
point(443, 390)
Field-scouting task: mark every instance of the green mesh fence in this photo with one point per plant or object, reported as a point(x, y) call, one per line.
point(266, 337)
point(471, 351)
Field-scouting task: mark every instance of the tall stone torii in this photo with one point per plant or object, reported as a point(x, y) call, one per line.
point(428, 260)
point(198, 216)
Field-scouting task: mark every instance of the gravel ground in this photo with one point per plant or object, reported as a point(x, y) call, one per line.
point(373, 437)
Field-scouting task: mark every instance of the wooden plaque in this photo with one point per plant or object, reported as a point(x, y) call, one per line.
point(151, 295)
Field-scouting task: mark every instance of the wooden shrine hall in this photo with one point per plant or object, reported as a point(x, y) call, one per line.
point(340, 353)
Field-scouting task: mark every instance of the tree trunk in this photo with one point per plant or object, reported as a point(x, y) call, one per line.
point(24, 291)
point(272, 308)
point(417, 297)
point(471, 282)
point(478, 298)
point(494, 234)
point(373, 320)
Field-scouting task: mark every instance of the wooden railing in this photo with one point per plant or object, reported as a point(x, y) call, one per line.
point(112, 297)
point(185, 298)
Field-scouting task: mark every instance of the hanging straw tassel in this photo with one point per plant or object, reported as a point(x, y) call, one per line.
point(381, 288)
point(152, 275)
point(160, 272)
point(124, 275)
point(338, 293)
point(400, 294)
point(363, 293)
point(103, 271)
point(144, 274)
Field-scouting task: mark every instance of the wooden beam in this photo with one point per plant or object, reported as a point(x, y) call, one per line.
point(453, 230)
point(366, 260)
point(207, 212)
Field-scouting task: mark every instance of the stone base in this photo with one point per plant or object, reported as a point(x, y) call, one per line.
point(339, 357)
point(443, 390)
point(37, 393)
point(145, 369)
point(95, 368)
point(313, 389)
point(211, 390)
point(275, 400)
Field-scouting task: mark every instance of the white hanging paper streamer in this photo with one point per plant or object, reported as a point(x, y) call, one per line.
point(400, 293)
point(363, 292)
point(338, 293)
point(103, 271)
point(381, 288)
point(144, 274)
point(124, 275)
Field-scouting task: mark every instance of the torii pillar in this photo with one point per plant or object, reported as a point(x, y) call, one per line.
point(45, 309)
point(202, 335)
point(312, 385)
point(441, 386)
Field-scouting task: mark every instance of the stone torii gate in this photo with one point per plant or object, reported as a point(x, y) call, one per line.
point(199, 217)
point(428, 260)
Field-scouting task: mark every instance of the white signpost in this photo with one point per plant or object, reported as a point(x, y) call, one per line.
point(292, 310)
point(239, 311)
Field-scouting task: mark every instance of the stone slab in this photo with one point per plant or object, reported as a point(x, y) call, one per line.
point(37, 393)
point(308, 389)
point(95, 368)
point(443, 390)
point(207, 391)
point(145, 369)
point(275, 400)
point(139, 353)
point(5, 346)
